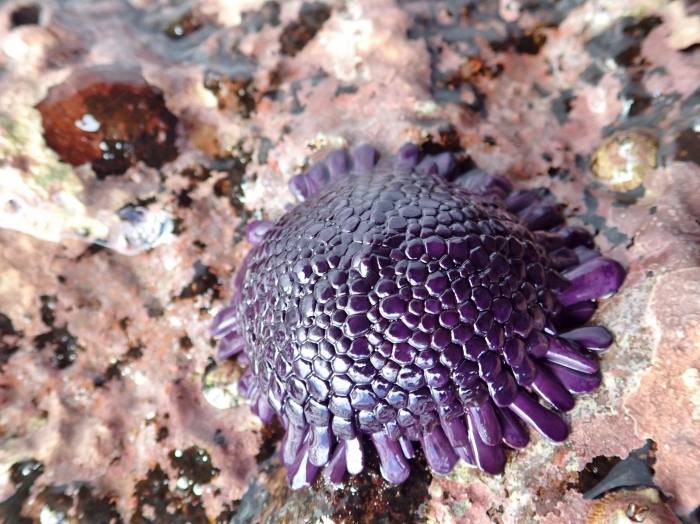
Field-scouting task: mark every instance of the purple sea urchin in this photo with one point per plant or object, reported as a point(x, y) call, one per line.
point(395, 304)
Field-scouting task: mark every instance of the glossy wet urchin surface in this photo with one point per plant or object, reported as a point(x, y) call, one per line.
point(139, 142)
point(395, 304)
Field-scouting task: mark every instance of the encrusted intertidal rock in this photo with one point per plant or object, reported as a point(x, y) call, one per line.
point(395, 304)
point(632, 505)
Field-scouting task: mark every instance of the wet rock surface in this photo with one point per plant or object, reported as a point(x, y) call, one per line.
point(108, 284)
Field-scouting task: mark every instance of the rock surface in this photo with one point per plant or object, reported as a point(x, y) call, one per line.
point(109, 277)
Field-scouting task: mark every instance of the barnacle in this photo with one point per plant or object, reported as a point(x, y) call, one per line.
point(396, 304)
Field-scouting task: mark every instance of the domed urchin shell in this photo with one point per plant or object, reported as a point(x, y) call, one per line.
point(395, 304)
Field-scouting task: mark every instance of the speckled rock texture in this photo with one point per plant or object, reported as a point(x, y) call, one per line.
point(112, 266)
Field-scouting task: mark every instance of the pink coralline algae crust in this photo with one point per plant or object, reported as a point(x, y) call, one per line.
point(394, 304)
point(111, 355)
point(673, 312)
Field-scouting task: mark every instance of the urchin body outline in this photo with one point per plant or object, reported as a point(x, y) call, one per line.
point(395, 304)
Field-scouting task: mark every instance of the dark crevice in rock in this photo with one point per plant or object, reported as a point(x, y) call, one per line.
point(204, 281)
point(23, 475)
point(25, 15)
point(297, 34)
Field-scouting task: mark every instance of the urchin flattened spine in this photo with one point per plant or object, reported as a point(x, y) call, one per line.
point(394, 303)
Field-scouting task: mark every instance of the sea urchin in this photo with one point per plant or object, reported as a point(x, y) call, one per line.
point(396, 304)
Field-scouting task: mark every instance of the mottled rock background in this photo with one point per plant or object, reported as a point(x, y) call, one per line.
point(170, 124)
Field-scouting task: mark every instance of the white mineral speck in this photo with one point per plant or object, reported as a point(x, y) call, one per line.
point(88, 123)
point(49, 516)
point(183, 482)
